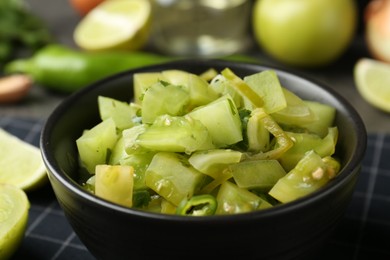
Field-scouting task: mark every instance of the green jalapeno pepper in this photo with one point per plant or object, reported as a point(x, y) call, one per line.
point(64, 69)
point(199, 205)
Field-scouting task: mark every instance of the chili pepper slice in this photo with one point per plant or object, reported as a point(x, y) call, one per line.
point(284, 142)
point(199, 205)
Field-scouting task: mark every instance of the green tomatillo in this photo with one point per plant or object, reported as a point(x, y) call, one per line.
point(306, 33)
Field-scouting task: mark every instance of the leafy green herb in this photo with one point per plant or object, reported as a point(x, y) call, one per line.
point(21, 31)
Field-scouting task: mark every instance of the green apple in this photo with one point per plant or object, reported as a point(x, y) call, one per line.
point(305, 32)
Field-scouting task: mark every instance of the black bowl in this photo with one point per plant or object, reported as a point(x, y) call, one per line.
point(292, 230)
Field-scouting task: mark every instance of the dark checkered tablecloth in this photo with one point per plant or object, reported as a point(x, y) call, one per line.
point(363, 234)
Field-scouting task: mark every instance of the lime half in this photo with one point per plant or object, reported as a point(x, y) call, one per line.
point(372, 79)
point(21, 163)
point(14, 206)
point(120, 24)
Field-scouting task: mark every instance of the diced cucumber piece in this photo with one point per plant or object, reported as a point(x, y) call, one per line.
point(262, 174)
point(121, 112)
point(325, 115)
point(214, 162)
point(95, 145)
point(296, 113)
point(221, 119)
point(266, 84)
point(163, 98)
point(304, 142)
point(115, 184)
point(172, 177)
point(233, 200)
point(175, 134)
point(310, 174)
point(198, 88)
point(142, 81)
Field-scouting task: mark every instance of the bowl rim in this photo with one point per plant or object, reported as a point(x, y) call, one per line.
point(346, 173)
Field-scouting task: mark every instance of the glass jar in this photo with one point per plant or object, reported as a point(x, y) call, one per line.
point(200, 28)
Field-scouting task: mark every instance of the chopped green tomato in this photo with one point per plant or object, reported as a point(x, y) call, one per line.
point(175, 134)
point(177, 77)
point(266, 84)
point(222, 87)
point(142, 81)
point(261, 174)
point(164, 98)
point(167, 207)
point(172, 177)
point(333, 166)
point(325, 118)
point(243, 88)
point(94, 145)
point(215, 183)
point(209, 74)
point(296, 113)
point(140, 161)
point(214, 162)
point(257, 135)
point(118, 152)
point(217, 115)
point(233, 200)
point(155, 204)
point(123, 114)
point(310, 174)
point(283, 141)
point(90, 184)
point(115, 184)
point(130, 137)
point(304, 142)
point(198, 88)
point(200, 205)
point(208, 144)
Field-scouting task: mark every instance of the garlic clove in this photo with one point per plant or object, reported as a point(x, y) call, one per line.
point(14, 88)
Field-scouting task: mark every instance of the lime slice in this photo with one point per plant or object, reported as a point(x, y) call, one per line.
point(21, 163)
point(120, 24)
point(14, 206)
point(372, 79)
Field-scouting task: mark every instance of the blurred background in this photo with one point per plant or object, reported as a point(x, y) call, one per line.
point(240, 28)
